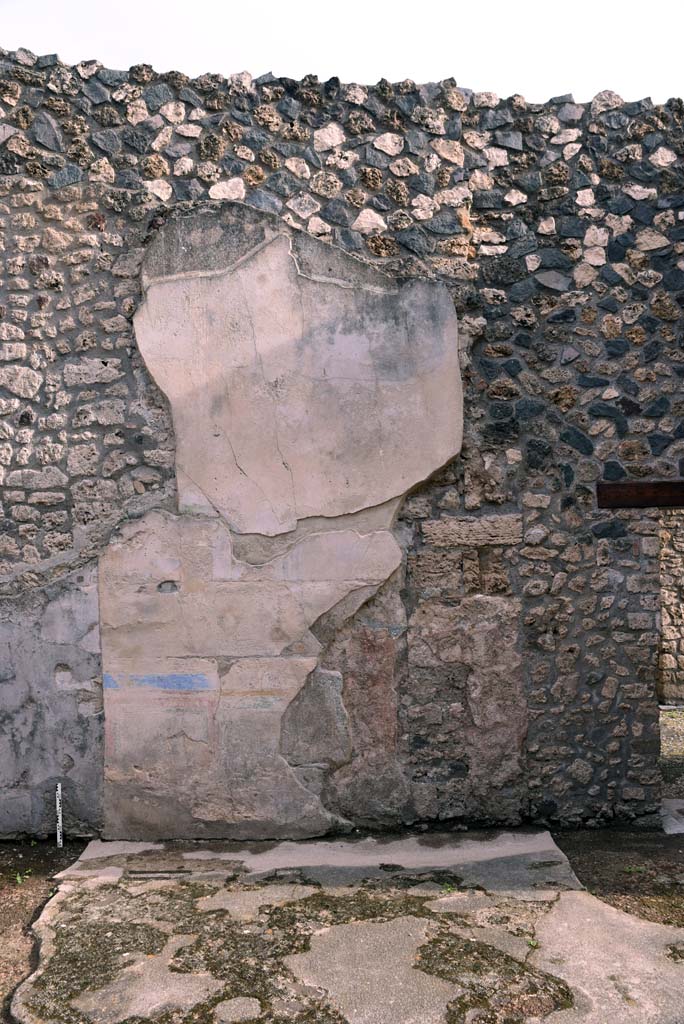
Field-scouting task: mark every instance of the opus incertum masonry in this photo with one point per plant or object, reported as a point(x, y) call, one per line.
point(307, 389)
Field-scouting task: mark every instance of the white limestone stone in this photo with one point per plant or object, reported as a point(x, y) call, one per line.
point(639, 192)
point(21, 380)
point(403, 167)
point(595, 235)
point(317, 227)
point(369, 222)
point(424, 207)
point(585, 197)
point(343, 159)
point(357, 94)
point(662, 157)
point(648, 240)
point(449, 150)
point(485, 99)
point(299, 167)
point(304, 205)
point(496, 156)
point(476, 140)
point(328, 137)
point(174, 112)
point(584, 274)
point(455, 196)
point(183, 165)
point(234, 188)
point(595, 256)
point(162, 139)
point(606, 100)
point(160, 188)
point(389, 143)
point(190, 131)
point(137, 111)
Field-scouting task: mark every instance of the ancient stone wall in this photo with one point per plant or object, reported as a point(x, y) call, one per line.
point(508, 670)
point(671, 688)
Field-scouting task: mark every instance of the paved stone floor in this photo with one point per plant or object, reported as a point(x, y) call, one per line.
point(490, 928)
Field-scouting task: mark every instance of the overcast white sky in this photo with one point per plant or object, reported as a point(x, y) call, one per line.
point(539, 49)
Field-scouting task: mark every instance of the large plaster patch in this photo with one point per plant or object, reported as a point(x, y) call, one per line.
point(309, 393)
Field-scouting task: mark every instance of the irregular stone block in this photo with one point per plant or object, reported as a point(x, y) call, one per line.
point(473, 531)
point(352, 963)
point(92, 371)
point(315, 727)
point(21, 381)
point(36, 479)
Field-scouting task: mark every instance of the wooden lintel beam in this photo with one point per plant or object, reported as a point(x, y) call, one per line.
point(640, 494)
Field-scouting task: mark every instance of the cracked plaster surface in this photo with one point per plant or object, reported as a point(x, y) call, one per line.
point(302, 382)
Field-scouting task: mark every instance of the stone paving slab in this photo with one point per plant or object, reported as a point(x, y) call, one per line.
point(673, 817)
point(476, 928)
point(619, 967)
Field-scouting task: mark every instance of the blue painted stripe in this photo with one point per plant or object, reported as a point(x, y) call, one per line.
point(160, 681)
point(173, 681)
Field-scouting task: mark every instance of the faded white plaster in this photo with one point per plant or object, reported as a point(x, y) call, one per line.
point(296, 395)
